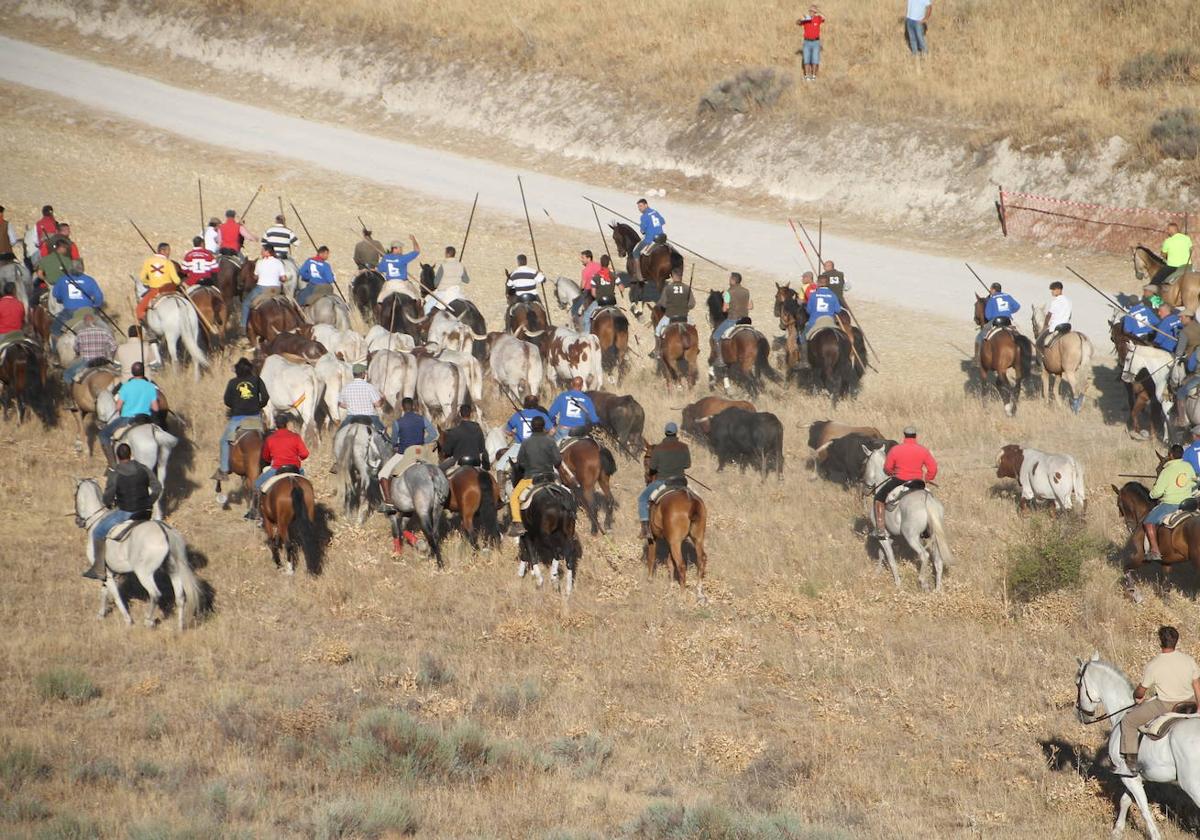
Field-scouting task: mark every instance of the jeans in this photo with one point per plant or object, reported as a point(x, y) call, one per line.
point(111, 428)
point(249, 299)
point(72, 370)
point(644, 499)
point(376, 422)
point(304, 294)
point(61, 319)
point(1158, 513)
point(587, 316)
point(722, 328)
point(268, 473)
point(646, 242)
point(506, 457)
point(581, 300)
point(915, 31)
point(812, 52)
point(111, 520)
point(227, 437)
point(1189, 384)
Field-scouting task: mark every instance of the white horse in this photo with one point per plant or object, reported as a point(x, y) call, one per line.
point(141, 553)
point(174, 318)
point(394, 375)
point(330, 309)
point(916, 512)
point(150, 446)
point(356, 451)
point(565, 291)
point(293, 388)
point(1173, 758)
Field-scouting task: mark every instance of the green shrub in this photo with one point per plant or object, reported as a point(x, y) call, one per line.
point(750, 90)
point(1151, 68)
point(98, 771)
point(1177, 133)
point(66, 684)
point(510, 701)
point(668, 821)
point(1049, 557)
point(585, 755)
point(65, 827)
point(433, 673)
point(23, 809)
point(366, 820)
point(19, 765)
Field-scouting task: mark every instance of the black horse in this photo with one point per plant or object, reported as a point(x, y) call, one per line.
point(364, 289)
point(549, 537)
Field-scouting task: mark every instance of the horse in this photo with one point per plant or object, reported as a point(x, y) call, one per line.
point(84, 391)
point(591, 466)
point(358, 454)
point(364, 290)
point(232, 281)
point(526, 319)
point(289, 519)
point(656, 266)
point(744, 352)
point(245, 459)
point(174, 319)
point(151, 445)
point(401, 313)
point(1184, 292)
point(420, 493)
point(1067, 359)
point(677, 517)
point(913, 515)
point(475, 497)
point(550, 537)
point(143, 551)
point(22, 366)
point(1180, 544)
point(679, 354)
point(791, 320)
point(783, 295)
point(328, 309)
point(271, 316)
point(1150, 367)
point(1006, 353)
point(611, 327)
point(1171, 758)
point(566, 291)
point(211, 305)
point(835, 358)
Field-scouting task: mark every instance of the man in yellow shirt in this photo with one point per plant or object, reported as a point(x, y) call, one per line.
point(158, 276)
point(1173, 677)
point(1177, 251)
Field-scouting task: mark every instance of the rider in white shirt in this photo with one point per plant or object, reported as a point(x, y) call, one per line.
point(1058, 315)
point(269, 273)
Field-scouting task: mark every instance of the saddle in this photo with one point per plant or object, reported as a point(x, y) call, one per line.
point(237, 259)
point(97, 366)
point(994, 331)
point(122, 531)
point(740, 326)
point(666, 489)
point(900, 492)
point(16, 339)
point(137, 420)
point(1174, 520)
point(520, 299)
point(284, 472)
point(269, 293)
point(251, 425)
point(606, 307)
point(528, 494)
point(569, 441)
point(1161, 726)
point(175, 292)
point(319, 291)
point(819, 325)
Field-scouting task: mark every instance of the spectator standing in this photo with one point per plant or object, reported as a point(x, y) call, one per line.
point(811, 50)
point(916, 21)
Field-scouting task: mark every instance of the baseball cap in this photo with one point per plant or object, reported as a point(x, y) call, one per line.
point(670, 428)
point(910, 431)
point(357, 369)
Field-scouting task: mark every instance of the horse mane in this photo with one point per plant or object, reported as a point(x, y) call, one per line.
point(1115, 669)
point(1155, 258)
point(713, 302)
point(1138, 489)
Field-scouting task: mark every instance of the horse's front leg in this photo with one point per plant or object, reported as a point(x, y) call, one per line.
point(1122, 814)
point(890, 557)
point(1138, 790)
point(111, 583)
point(103, 601)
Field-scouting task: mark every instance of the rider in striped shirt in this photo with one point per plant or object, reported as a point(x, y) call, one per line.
point(280, 239)
point(524, 280)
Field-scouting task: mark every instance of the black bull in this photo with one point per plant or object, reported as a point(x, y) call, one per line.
point(623, 417)
point(748, 439)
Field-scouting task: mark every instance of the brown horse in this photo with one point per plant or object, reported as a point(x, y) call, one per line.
point(526, 319)
point(679, 354)
point(233, 280)
point(1184, 292)
point(40, 321)
point(1180, 544)
point(273, 316)
point(676, 517)
point(22, 364)
point(744, 353)
point(612, 328)
point(1005, 353)
point(475, 497)
point(289, 518)
point(90, 382)
point(655, 266)
point(210, 303)
point(590, 466)
point(245, 459)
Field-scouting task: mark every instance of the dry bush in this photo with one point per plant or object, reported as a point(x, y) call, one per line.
point(749, 90)
point(97, 771)
point(67, 827)
point(585, 754)
point(66, 684)
point(433, 673)
point(19, 765)
point(385, 815)
point(1152, 68)
point(1176, 133)
point(511, 701)
point(668, 821)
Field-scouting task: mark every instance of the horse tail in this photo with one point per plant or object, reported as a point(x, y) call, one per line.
point(488, 516)
point(763, 361)
point(189, 333)
point(933, 516)
point(181, 569)
point(607, 462)
point(304, 531)
point(425, 516)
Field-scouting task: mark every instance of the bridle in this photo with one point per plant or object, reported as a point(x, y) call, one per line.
point(1085, 717)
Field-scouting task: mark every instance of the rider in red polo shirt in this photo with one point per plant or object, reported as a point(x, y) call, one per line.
point(907, 463)
point(12, 312)
point(283, 448)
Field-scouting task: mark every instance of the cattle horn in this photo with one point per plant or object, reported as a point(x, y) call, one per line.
point(529, 334)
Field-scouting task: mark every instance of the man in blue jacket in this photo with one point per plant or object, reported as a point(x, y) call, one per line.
point(1169, 326)
point(1139, 322)
point(651, 224)
point(317, 273)
point(998, 311)
point(75, 291)
point(572, 410)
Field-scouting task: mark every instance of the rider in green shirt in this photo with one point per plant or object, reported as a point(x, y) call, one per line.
point(1177, 251)
point(1176, 482)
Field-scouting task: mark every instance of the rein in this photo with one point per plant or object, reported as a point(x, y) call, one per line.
point(1083, 713)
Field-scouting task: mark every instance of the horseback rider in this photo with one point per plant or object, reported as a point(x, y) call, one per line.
point(268, 273)
point(1177, 252)
point(808, 285)
point(1139, 322)
point(667, 466)
point(245, 398)
point(736, 304)
point(464, 444)
point(280, 238)
point(1176, 482)
point(573, 412)
point(93, 344)
point(133, 489)
point(282, 450)
point(138, 398)
point(76, 291)
point(677, 302)
point(909, 464)
point(199, 264)
point(1058, 316)
point(586, 277)
point(1174, 678)
point(8, 239)
point(137, 349)
point(45, 227)
point(56, 264)
point(212, 235)
point(159, 277)
point(537, 463)
point(1169, 325)
point(232, 235)
point(603, 293)
point(822, 303)
point(361, 401)
point(1186, 350)
point(448, 279)
point(367, 252)
point(317, 272)
point(394, 264)
point(650, 222)
point(523, 281)
point(411, 435)
point(519, 427)
point(998, 310)
point(835, 281)
point(63, 236)
point(12, 314)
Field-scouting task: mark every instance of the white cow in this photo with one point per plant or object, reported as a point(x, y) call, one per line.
point(394, 375)
point(346, 342)
point(516, 366)
point(470, 368)
point(572, 354)
point(293, 387)
point(449, 332)
point(1043, 476)
point(441, 388)
point(333, 374)
point(378, 338)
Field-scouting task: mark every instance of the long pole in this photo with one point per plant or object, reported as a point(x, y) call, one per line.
point(536, 262)
point(980, 279)
point(92, 301)
point(144, 239)
point(604, 241)
point(200, 192)
point(800, 242)
point(816, 247)
point(673, 242)
point(1113, 302)
point(253, 198)
point(312, 242)
point(820, 237)
point(141, 343)
point(467, 235)
point(866, 340)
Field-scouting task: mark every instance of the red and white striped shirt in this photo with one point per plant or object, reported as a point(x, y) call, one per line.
point(199, 264)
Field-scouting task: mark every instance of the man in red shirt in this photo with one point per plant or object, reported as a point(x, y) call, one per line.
point(12, 312)
point(199, 264)
point(283, 450)
point(46, 227)
point(811, 51)
point(908, 463)
point(232, 234)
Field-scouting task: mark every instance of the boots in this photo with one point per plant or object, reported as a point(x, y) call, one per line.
point(220, 475)
point(385, 488)
point(252, 514)
point(1131, 762)
point(646, 535)
point(97, 571)
point(880, 530)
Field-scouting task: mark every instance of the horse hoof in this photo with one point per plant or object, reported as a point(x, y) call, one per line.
point(78, 447)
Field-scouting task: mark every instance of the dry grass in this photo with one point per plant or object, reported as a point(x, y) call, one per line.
point(807, 699)
point(1042, 72)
